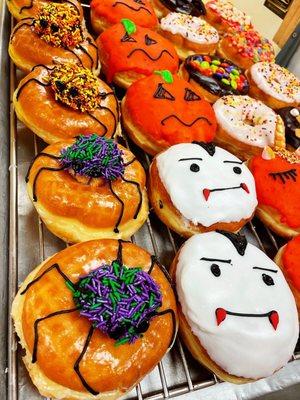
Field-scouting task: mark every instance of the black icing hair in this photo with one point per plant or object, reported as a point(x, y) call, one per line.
point(239, 241)
point(209, 147)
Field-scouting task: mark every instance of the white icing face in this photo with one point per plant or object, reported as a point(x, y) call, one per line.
point(206, 188)
point(239, 306)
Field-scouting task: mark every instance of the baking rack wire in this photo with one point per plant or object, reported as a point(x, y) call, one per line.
point(166, 391)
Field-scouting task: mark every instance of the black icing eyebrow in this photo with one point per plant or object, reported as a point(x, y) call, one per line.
point(216, 259)
point(191, 158)
point(233, 162)
point(266, 269)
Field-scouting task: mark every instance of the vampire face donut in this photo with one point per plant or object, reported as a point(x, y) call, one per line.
point(214, 77)
point(163, 109)
point(291, 120)
point(197, 187)
point(277, 180)
point(189, 7)
point(64, 101)
point(105, 13)
point(94, 319)
point(237, 314)
point(88, 188)
point(56, 34)
point(129, 52)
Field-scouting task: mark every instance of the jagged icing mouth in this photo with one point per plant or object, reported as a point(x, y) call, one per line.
point(273, 316)
point(173, 116)
point(207, 192)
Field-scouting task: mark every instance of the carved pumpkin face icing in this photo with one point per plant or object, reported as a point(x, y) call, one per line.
point(139, 11)
point(170, 113)
point(143, 51)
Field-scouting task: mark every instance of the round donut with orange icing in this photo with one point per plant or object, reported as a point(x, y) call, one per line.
point(88, 188)
point(224, 16)
point(214, 77)
point(277, 180)
point(64, 101)
point(246, 126)
point(105, 13)
point(189, 34)
point(274, 85)
point(129, 52)
point(94, 319)
point(287, 259)
point(55, 34)
point(245, 48)
point(163, 109)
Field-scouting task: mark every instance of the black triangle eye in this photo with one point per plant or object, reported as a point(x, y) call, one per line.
point(149, 41)
point(139, 2)
point(128, 38)
point(161, 93)
point(190, 95)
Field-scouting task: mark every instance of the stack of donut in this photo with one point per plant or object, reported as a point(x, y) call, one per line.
point(194, 85)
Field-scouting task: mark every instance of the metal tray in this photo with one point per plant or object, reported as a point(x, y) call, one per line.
point(30, 243)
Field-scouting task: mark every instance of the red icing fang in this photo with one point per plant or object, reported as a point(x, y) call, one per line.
point(245, 187)
point(206, 193)
point(221, 315)
point(274, 319)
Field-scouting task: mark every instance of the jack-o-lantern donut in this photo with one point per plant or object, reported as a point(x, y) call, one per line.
point(277, 180)
point(105, 13)
point(129, 52)
point(88, 188)
point(64, 101)
point(56, 34)
point(94, 319)
point(163, 109)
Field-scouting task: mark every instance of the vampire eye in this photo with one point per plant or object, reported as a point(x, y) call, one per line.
point(162, 94)
point(268, 280)
point(237, 170)
point(149, 41)
point(194, 168)
point(215, 270)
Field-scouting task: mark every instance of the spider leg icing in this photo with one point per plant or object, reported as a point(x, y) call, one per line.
point(169, 311)
point(140, 195)
point(96, 119)
point(30, 5)
point(96, 49)
point(27, 82)
point(36, 178)
point(21, 26)
point(35, 158)
point(87, 53)
point(116, 230)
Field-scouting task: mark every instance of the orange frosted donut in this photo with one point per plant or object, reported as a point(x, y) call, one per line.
point(55, 34)
point(274, 85)
point(245, 48)
point(94, 319)
point(161, 110)
point(288, 258)
point(223, 15)
point(129, 52)
point(277, 180)
point(105, 13)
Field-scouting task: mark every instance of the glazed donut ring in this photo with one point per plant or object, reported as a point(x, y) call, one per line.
point(274, 85)
point(77, 207)
point(84, 362)
point(32, 42)
point(36, 106)
point(246, 126)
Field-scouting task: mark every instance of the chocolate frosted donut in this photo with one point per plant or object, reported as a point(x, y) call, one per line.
point(214, 76)
point(291, 119)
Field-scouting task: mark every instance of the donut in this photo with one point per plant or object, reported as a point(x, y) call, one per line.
point(274, 85)
point(287, 259)
point(22, 9)
point(94, 319)
point(246, 126)
point(55, 34)
point(64, 101)
point(291, 120)
point(245, 48)
point(237, 314)
point(224, 16)
point(198, 187)
point(190, 7)
point(105, 13)
point(88, 188)
point(163, 109)
point(277, 179)
point(189, 34)
point(214, 77)
point(129, 52)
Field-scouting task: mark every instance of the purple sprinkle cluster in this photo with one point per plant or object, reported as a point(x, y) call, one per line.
point(119, 301)
point(94, 156)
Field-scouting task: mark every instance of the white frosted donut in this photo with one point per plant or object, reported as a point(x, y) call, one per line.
point(276, 81)
point(247, 120)
point(194, 29)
